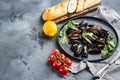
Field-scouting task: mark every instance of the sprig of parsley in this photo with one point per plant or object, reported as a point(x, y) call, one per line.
point(63, 35)
point(87, 34)
point(109, 46)
point(111, 36)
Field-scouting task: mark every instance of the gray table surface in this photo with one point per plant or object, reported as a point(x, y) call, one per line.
point(23, 47)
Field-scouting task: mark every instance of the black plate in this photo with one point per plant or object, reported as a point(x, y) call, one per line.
point(91, 20)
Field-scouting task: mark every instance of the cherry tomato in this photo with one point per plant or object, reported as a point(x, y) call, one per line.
point(55, 51)
point(51, 59)
point(68, 61)
point(62, 56)
point(57, 64)
point(63, 70)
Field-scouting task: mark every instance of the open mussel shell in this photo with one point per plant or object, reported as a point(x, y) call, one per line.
point(76, 48)
point(100, 39)
point(95, 51)
point(73, 35)
point(104, 34)
point(94, 29)
point(85, 41)
point(80, 24)
point(74, 40)
point(75, 31)
point(97, 44)
point(85, 51)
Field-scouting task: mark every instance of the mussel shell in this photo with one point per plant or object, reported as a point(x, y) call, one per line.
point(80, 24)
point(100, 46)
point(104, 34)
point(100, 39)
point(74, 47)
point(75, 31)
point(84, 42)
point(72, 41)
point(85, 51)
point(95, 51)
point(78, 51)
point(84, 27)
point(73, 35)
point(74, 38)
point(94, 29)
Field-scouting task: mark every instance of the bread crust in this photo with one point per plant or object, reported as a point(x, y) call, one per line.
point(59, 12)
point(55, 11)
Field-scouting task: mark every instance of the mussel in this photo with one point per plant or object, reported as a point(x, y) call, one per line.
point(95, 51)
point(104, 34)
point(85, 51)
point(73, 35)
point(85, 41)
point(100, 39)
point(75, 31)
point(76, 48)
point(74, 40)
point(80, 24)
point(100, 45)
point(94, 29)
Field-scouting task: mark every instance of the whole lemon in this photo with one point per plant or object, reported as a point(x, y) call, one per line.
point(50, 28)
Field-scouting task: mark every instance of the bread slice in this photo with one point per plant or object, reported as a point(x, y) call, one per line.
point(72, 6)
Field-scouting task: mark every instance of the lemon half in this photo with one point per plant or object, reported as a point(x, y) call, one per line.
point(50, 28)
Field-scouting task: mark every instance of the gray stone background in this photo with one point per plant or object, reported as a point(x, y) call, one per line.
point(23, 47)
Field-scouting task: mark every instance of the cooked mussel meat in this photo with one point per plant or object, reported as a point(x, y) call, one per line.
point(94, 29)
point(76, 48)
point(100, 45)
point(100, 39)
point(75, 31)
point(73, 35)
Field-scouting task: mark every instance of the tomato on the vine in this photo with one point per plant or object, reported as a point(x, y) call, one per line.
point(59, 61)
point(57, 64)
point(55, 51)
point(68, 61)
point(51, 58)
point(63, 70)
point(62, 56)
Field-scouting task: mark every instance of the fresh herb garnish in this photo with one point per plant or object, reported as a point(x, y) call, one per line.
point(87, 34)
point(111, 36)
point(62, 34)
point(109, 46)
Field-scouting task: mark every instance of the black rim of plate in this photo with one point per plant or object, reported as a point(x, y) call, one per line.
point(61, 46)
